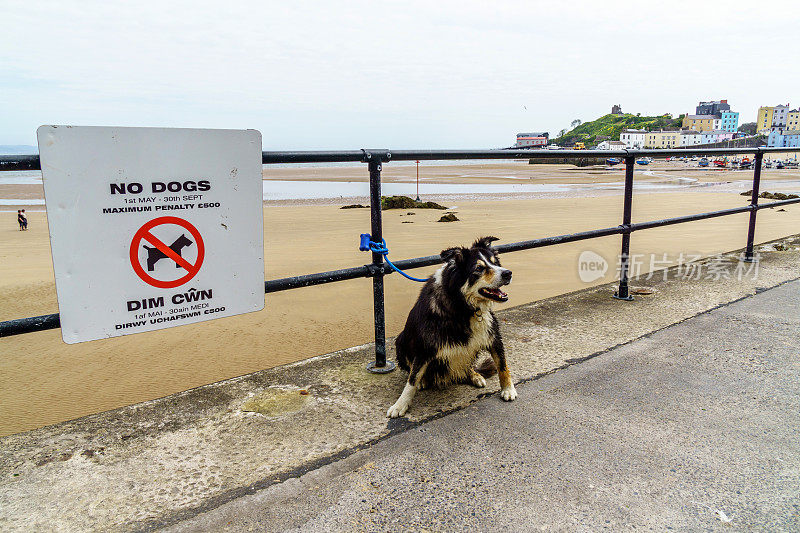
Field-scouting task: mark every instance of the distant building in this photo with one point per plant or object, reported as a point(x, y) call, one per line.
point(691, 138)
point(716, 136)
point(616, 109)
point(701, 122)
point(770, 117)
point(791, 139)
point(711, 116)
point(764, 119)
point(544, 134)
point(779, 113)
point(729, 121)
point(611, 145)
point(536, 138)
point(715, 107)
point(793, 119)
point(781, 138)
point(633, 138)
point(663, 139)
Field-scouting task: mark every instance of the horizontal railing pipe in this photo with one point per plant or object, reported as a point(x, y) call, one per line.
point(354, 156)
point(777, 204)
point(308, 280)
point(29, 325)
point(687, 218)
point(19, 162)
point(31, 162)
point(559, 239)
point(427, 155)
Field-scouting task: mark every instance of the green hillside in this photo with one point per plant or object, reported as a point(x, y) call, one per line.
point(611, 126)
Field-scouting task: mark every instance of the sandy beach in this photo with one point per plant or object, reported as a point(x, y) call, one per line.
point(43, 380)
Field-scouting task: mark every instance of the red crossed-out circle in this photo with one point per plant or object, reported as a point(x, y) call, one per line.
point(144, 233)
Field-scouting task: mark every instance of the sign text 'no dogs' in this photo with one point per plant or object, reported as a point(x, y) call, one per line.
point(152, 227)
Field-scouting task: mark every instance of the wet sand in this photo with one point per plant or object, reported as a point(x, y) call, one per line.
point(43, 380)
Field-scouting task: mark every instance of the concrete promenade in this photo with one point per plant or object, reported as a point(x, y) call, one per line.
point(653, 412)
point(693, 428)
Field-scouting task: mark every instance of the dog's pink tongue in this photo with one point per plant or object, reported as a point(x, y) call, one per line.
point(497, 292)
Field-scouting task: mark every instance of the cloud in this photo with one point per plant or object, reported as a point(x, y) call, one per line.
point(399, 74)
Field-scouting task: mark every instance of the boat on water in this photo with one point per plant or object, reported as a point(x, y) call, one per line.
point(703, 162)
point(611, 161)
point(745, 163)
point(721, 163)
point(768, 164)
point(643, 161)
point(779, 164)
point(792, 163)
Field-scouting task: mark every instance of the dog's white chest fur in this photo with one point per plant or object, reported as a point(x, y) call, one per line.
point(461, 357)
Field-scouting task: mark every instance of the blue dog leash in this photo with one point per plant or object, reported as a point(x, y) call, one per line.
point(367, 244)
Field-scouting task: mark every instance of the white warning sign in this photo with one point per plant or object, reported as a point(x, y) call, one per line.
point(152, 227)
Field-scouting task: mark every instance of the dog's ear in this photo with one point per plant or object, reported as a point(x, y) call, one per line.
point(484, 242)
point(455, 254)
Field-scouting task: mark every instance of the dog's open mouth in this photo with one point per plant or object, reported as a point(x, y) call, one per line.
point(493, 294)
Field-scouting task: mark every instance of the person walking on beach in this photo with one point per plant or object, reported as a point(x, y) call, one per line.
point(22, 219)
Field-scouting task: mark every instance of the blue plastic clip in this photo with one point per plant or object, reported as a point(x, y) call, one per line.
point(364, 246)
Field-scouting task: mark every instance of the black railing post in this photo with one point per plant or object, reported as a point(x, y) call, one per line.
point(751, 228)
point(624, 259)
point(375, 160)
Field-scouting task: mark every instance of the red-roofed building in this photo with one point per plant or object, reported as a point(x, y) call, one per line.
point(536, 139)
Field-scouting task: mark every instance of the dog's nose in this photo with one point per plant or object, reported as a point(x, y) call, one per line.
point(506, 275)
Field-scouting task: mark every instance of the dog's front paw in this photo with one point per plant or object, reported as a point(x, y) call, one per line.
point(509, 393)
point(478, 380)
point(397, 410)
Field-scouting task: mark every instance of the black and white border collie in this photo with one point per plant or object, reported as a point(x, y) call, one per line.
point(452, 322)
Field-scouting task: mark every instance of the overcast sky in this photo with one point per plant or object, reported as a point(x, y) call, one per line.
point(408, 74)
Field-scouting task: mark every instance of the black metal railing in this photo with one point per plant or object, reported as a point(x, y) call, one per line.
point(376, 158)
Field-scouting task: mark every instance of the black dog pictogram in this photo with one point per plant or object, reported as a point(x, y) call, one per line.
point(154, 254)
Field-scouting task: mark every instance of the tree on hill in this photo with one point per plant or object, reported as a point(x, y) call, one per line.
point(575, 123)
point(611, 125)
point(748, 128)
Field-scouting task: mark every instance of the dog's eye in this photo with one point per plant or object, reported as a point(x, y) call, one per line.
point(479, 268)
